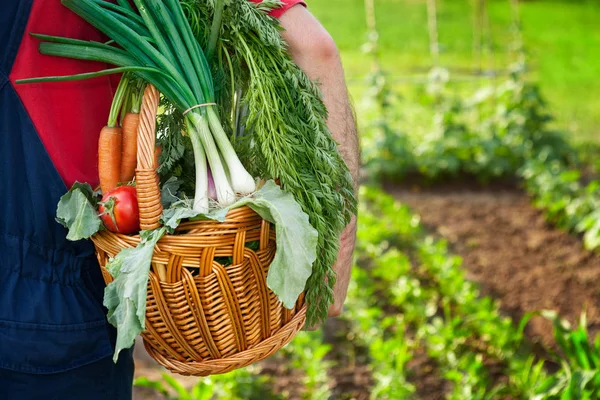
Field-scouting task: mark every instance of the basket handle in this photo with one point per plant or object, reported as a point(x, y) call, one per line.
point(148, 192)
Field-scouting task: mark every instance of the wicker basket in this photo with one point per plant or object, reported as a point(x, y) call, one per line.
point(204, 317)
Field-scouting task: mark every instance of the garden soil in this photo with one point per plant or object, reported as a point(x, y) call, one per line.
point(512, 252)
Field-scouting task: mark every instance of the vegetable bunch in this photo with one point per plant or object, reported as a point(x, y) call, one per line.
point(275, 115)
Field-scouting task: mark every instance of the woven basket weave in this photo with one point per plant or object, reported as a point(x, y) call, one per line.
point(203, 315)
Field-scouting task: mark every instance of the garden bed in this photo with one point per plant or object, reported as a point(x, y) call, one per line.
point(518, 258)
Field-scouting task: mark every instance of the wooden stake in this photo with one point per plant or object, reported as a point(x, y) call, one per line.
point(434, 44)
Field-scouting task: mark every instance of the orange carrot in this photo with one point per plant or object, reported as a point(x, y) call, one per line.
point(157, 153)
point(110, 143)
point(109, 157)
point(129, 151)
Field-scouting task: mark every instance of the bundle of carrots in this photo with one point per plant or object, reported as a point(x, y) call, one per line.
point(117, 145)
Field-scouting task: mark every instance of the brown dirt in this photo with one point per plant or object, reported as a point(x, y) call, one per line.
point(426, 377)
point(511, 251)
point(286, 381)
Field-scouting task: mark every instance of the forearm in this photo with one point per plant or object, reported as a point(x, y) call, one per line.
point(341, 121)
point(315, 52)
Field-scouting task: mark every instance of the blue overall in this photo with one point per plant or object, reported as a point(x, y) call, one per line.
point(55, 342)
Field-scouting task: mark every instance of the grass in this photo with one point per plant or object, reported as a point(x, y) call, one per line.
point(562, 37)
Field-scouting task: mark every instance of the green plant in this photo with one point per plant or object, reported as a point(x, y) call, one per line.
point(488, 135)
point(386, 152)
point(566, 200)
point(579, 375)
point(460, 330)
point(203, 390)
point(386, 338)
point(307, 353)
point(241, 384)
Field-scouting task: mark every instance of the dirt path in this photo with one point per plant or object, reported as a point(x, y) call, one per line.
point(509, 248)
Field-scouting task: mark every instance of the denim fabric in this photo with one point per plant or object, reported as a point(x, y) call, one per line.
point(101, 380)
point(51, 314)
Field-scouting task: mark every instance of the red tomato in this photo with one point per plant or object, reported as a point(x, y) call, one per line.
point(120, 206)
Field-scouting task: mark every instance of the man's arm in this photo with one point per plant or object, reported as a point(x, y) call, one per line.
point(313, 49)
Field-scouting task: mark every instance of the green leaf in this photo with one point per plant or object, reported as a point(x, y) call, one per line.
point(172, 217)
point(125, 296)
point(87, 190)
point(142, 381)
point(578, 383)
point(592, 232)
point(182, 393)
point(552, 386)
point(168, 192)
point(76, 211)
point(203, 390)
point(296, 241)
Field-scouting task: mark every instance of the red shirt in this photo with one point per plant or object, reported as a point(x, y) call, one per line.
point(68, 116)
point(287, 4)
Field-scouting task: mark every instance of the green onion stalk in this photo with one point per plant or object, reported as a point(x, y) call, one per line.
point(154, 41)
point(119, 99)
point(134, 96)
